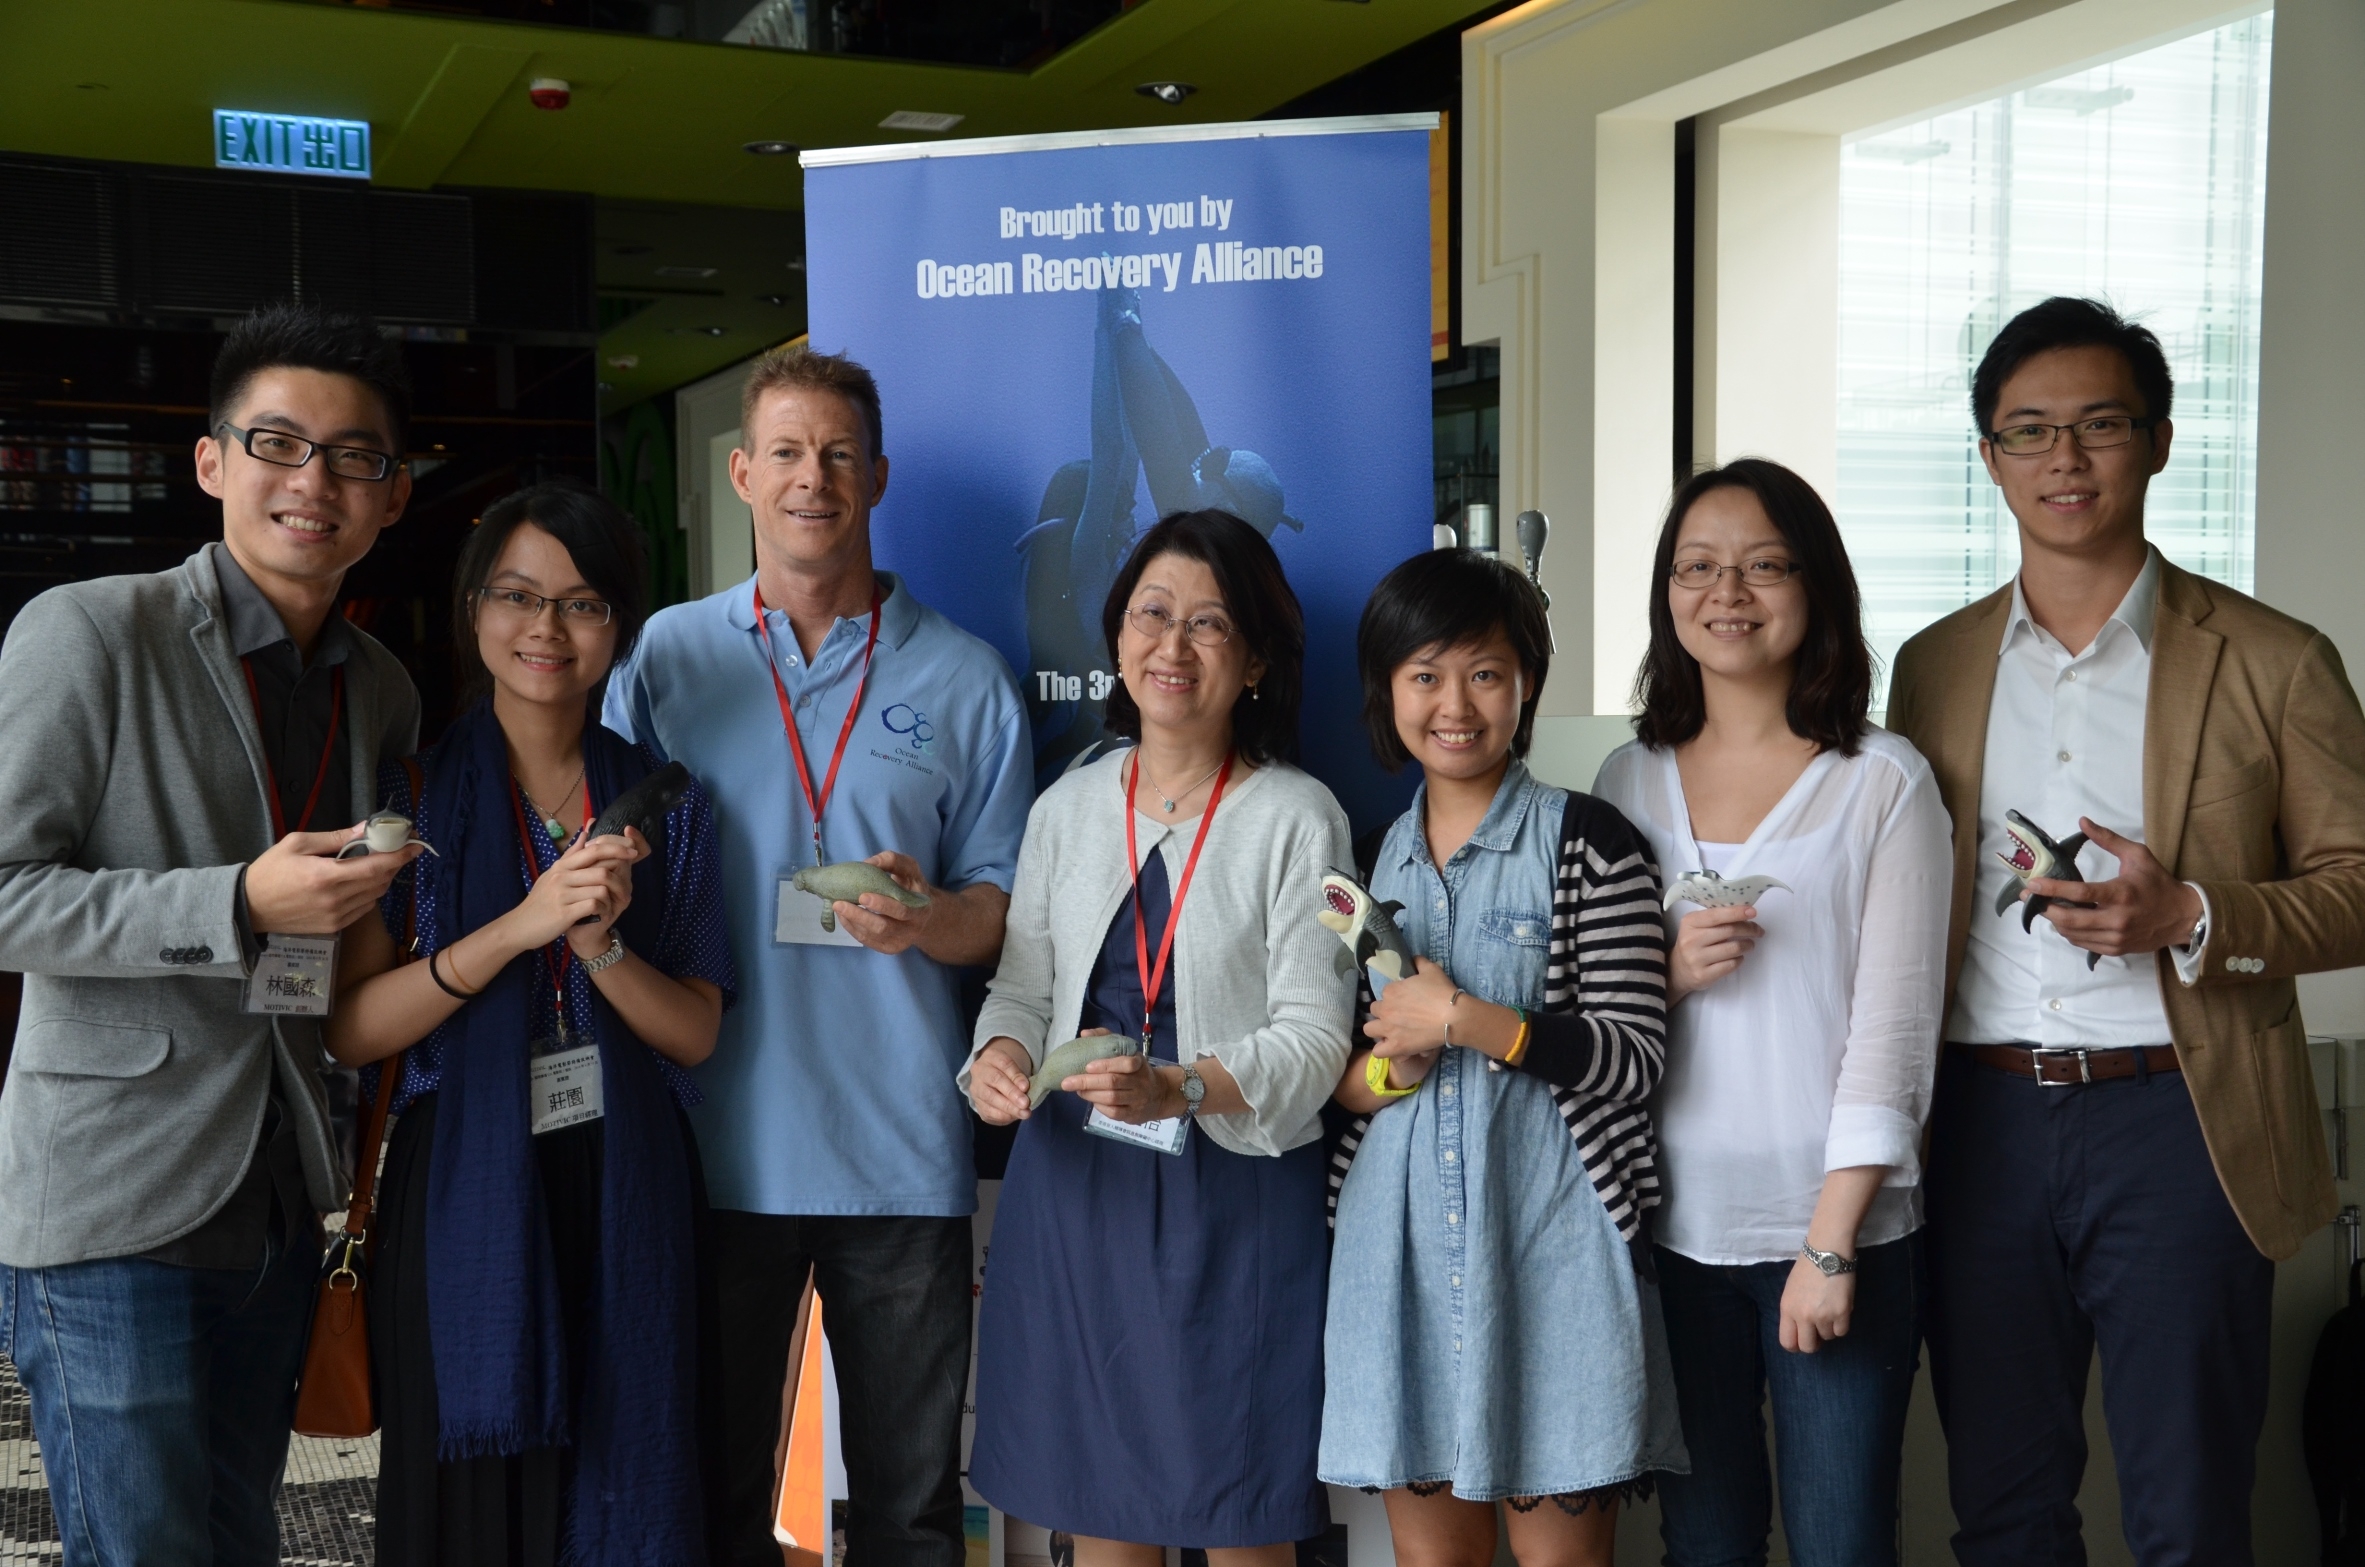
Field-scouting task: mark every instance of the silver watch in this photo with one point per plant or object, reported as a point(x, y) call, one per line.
point(1828, 1263)
point(1194, 1089)
point(614, 954)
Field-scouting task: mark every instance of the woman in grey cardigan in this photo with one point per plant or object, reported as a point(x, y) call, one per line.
point(1150, 1341)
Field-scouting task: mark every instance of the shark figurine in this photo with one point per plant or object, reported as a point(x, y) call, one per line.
point(1366, 929)
point(1712, 891)
point(2035, 854)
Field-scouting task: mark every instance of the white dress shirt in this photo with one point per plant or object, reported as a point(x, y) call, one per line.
point(1819, 1052)
point(2064, 740)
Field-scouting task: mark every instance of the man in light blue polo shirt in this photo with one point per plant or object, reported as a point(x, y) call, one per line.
point(832, 1134)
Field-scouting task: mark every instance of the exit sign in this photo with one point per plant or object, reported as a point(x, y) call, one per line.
point(291, 144)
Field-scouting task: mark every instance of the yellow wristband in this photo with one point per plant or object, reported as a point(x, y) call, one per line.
point(1375, 1078)
point(1518, 1044)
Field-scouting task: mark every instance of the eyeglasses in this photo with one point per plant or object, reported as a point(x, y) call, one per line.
point(1700, 575)
point(283, 450)
point(517, 604)
point(1153, 621)
point(2034, 440)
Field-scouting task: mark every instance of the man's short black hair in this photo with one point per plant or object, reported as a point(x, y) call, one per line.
point(1448, 599)
point(299, 337)
point(2061, 322)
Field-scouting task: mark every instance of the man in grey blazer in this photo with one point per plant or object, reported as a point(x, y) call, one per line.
point(182, 754)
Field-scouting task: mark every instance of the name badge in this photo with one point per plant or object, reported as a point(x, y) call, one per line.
point(1165, 1136)
point(566, 1089)
point(796, 920)
point(295, 976)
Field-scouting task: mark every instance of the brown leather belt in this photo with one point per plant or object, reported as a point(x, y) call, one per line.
point(2060, 1068)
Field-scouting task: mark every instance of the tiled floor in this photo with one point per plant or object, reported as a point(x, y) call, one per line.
point(325, 1500)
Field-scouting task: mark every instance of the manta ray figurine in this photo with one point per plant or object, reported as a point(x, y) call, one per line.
point(2035, 854)
point(1712, 891)
point(1366, 929)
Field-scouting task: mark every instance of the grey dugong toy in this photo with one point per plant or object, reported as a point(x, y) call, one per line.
point(1712, 891)
point(847, 881)
point(1073, 1057)
point(383, 834)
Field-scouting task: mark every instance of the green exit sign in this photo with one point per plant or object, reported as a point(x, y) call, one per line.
point(291, 144)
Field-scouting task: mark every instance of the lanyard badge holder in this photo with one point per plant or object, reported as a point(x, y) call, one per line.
point(563, 1078)
point(295, 976)
point(1167, 1135)
point(796, 918)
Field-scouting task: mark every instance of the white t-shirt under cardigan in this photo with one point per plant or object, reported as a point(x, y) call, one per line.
point(1819, 1052)
point(1257, 980)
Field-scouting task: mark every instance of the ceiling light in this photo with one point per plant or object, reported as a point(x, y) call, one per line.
point(796, 263)
point(686, 272)
point(1170, 94)
point(698, 331)
point(777, 301)
point(920, 120)
point(773, 149)
point(624, 361)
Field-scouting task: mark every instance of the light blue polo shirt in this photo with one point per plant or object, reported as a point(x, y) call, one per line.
point(831, 1088)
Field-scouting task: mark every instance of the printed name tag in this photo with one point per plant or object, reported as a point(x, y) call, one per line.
point(566, 1089)
point(1165, 1136)
point(295, 976)
point(797, 921)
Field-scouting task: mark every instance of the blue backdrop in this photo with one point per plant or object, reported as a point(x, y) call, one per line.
point(1071, 341)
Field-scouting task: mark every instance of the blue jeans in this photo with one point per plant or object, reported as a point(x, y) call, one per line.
point(1839, 1414)
point(161, 1399)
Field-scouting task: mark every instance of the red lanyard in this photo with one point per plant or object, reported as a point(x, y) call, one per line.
point(336, 714)
point(817, 803)
point(554, 962)
point(1154, 979)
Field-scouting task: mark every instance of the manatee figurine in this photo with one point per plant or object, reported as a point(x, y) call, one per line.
point(2035, 854)
point(847, 881)
point(1367, 930)
point(1073, 1057)
point(1711, 891)
point(383, 833)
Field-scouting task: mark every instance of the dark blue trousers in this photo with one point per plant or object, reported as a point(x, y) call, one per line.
point(2062, 1219)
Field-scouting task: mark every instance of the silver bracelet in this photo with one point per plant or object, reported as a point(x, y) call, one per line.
point(607, 959)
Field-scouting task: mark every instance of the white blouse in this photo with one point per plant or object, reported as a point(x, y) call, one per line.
point(1819, 1052)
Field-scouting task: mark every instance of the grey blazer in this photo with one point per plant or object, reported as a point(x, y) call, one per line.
point(131, 791)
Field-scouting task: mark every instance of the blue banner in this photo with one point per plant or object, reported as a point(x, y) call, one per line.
point(1074, 336)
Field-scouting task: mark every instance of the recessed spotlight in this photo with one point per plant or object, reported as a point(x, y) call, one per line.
point(1170, 94)
point(773, 149)
point(699, 331)
point(796, 263)
point(686, 272)
point(920, 120)
point(776, 301)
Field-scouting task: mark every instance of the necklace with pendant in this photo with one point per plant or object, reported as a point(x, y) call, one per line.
point(1185, 794)
point(550, 822)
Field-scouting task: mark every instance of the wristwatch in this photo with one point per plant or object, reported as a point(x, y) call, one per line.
point(1829, 1263)
point(614, 954)
point(1194, 1089)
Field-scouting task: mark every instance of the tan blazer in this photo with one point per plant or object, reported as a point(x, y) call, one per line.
point(2254, 789)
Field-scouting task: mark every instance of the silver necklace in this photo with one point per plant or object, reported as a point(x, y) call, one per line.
point(550, 823)
point(1161, 793)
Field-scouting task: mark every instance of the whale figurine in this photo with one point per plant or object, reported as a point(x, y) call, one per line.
point(847, 881)
point(1073, 1057)
point(2035, 854)
point(1367, 930)
point(1711, 891)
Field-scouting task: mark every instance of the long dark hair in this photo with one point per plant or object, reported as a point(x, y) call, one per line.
point(1447, 599)
point(605, 542)
point(1831, 681)
point(1265, 615)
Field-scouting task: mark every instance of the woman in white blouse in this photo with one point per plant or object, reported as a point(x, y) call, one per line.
point(1149, 1367)
point(1803, 1032)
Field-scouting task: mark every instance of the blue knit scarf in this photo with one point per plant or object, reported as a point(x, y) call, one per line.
point(493, 1311)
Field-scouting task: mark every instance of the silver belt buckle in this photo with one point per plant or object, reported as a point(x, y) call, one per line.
point(2037, 1054)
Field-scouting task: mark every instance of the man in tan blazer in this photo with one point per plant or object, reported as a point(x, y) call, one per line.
point(2126, 1132)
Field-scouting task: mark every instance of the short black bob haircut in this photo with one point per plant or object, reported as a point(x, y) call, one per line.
point(299, 337)
point(1447, 599)
point(1265, 616)
point(2062, 322)
point(1831, 682)
point(608, 548)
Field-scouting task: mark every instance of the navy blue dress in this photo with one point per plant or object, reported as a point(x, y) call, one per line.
point(1149, 1361)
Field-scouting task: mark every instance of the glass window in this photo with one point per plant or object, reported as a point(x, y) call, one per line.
point(2141, 182)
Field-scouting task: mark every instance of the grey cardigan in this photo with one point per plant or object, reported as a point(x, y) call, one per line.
point(131, 768)
point(1257, 983)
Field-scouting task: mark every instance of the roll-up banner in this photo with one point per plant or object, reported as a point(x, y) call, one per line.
point(1075, 335)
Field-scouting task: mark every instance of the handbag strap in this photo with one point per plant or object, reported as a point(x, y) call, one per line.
point(373, 1133)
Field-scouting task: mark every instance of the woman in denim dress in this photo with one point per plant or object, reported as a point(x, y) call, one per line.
point(1490, 1336)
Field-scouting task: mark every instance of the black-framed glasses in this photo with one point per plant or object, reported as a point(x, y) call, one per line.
point(283, 450)
point(2034, 440)
point(517, 602)
point(1155, 621)
point(1766, 572)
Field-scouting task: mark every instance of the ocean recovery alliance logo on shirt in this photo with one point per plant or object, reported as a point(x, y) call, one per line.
point(911, 728)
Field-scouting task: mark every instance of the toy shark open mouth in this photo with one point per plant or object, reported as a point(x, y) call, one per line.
point(2035, 855)
point(1366, 930)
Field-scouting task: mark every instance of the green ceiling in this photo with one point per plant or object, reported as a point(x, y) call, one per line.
point(656, 128)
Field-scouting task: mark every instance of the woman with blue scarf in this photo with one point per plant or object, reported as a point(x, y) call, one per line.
point(534, 1324)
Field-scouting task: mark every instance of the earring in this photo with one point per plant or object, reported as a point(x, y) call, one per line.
point(1255, 694)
